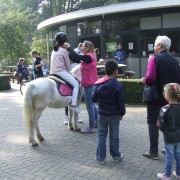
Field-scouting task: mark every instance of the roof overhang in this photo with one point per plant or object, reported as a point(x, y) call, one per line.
point(110, 9)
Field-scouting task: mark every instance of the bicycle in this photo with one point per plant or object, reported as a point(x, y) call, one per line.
point(25, 82)
point(23, 86)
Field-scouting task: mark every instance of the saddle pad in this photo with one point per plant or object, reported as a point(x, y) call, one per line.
point(65, 90)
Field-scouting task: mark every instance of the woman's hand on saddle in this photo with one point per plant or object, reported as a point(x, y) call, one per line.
point(142, 80)
point(66, 45)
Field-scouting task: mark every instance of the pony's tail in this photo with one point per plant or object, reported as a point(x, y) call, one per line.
point(28, 110)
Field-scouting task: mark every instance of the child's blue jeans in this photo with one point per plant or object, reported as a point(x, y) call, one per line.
point(172, 151)
point(105, 123)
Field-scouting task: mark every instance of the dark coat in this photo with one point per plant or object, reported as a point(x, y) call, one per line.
point(110, 96)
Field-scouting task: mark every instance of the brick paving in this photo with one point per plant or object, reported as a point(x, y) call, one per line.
point(69, 155)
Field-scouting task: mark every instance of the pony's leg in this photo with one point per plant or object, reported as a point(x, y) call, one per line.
point(76, 128)
point(31, 134)
point(39, 136)
point(76, 113)
point(70, 125)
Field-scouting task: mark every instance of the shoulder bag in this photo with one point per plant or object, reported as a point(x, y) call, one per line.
point(150, 93)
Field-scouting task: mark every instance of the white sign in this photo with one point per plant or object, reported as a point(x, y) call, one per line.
point(150, 47)
point(130, 44)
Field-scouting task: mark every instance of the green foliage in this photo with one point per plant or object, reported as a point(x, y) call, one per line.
point(5, 82)
point(133, 90)
point(19, 19)
point(1, 67)
point(16, 31)
point(40, 45)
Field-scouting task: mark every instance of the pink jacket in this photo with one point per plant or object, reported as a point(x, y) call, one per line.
point(60, 61)
point(89, 71)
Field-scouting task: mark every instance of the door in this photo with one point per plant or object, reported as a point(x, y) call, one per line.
point(131, 43)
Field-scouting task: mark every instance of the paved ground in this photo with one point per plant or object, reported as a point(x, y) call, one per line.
point(70, 155)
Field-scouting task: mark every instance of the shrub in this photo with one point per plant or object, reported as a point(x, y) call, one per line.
point(133, 90)
point(5, 82)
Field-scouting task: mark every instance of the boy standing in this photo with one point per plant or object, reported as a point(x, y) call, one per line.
point(109, 94)
point(37, 64)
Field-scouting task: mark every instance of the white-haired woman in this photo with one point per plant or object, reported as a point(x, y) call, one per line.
point(162, 68)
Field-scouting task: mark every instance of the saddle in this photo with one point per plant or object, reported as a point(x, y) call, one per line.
point(64, 88)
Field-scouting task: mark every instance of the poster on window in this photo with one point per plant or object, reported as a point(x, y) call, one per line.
point(130, 45)
point(150, 47)
point(111, 46)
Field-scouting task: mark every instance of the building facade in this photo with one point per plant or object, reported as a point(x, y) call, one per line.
point(133, 24)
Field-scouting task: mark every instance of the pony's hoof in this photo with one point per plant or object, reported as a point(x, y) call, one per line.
point(78, 129)
point(41, 139)
point(71, 128)
point(35, 144)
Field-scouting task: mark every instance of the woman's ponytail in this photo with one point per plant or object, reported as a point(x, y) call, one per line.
point(56, 47)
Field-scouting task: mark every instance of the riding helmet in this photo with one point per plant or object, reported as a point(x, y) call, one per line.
point(61, 38)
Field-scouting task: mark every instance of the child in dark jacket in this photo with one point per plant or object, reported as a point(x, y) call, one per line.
point(169, 123)
point(22, 70)
point(110, 97)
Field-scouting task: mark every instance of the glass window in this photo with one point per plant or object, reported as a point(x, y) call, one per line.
point(171, 20)
point(95, 27)
point(175, 41)
point(82, 28)
point(130, 43)
point(54, 33)
point(111, 26)
point(147, 41)
point(150, 23)
point(129, 23)
point(62, 29)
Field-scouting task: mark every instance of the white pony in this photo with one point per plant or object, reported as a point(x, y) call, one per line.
point(40, 93)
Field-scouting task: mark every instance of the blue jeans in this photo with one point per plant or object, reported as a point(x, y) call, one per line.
point(172, 151)
point(90, 105)
point(105, 123)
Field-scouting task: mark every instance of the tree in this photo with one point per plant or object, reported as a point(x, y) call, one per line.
point(40, 45)
point(16, 31)
point(50, 8)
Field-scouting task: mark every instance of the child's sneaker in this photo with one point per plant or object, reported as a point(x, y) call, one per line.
point(177, 177)
point(66, 120)
point(101, 162)
point(117, 159)
point(88, 130)
point(163, 176)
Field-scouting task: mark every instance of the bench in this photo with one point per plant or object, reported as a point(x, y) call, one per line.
point(129, 74)
point(12, 76)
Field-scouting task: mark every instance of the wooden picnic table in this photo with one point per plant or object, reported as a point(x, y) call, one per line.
point(101, 70)
point(10, 68)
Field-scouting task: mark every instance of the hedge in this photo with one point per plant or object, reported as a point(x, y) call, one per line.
point(5, 82)
point(133, 90)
